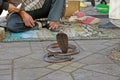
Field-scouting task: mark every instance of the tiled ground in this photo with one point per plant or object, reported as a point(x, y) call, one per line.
point(24, 61)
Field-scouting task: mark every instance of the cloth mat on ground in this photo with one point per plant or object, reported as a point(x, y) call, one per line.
point(75, 31)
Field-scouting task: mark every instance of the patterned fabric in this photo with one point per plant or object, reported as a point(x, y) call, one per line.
point(75, 31)
point(29, 5)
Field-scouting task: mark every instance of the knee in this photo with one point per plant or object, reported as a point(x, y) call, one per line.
point(12, 23)
point(12, 26)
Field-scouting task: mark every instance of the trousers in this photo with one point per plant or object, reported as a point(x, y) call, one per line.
point(114, 11)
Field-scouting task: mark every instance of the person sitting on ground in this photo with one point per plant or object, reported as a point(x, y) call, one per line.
point(114, 16)
point(22, 20)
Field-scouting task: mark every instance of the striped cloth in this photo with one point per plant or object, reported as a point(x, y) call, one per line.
point(29, 5)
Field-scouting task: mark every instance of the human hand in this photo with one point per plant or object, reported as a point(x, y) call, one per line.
point(27, 19)
point(54, 24)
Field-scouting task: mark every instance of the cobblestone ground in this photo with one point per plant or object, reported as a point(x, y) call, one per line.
point(24, 61)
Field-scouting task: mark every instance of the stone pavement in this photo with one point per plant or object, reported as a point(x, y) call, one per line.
point(24, 61)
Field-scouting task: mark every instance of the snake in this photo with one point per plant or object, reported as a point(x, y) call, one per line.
point(55, 54)
point(60, 51)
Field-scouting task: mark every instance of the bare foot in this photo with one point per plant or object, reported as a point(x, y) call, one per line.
point(54, 24)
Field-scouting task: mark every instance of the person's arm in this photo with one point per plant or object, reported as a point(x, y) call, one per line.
point(12, 8)
point(8, 6)
point(27, 19)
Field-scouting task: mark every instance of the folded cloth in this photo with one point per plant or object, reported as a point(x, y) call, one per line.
point(88, 20)
point(79, 14)
point(82, 18)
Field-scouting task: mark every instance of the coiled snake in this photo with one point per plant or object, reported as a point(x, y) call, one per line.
point(60, 51)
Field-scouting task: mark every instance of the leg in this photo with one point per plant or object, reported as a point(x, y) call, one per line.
point(15, 24)
point(42, 12)
point(55, 14)
point(113, 14)
point(56, 10)
point(93, 2)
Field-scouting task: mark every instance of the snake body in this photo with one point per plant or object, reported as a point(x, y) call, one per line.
point(60, 51)
point(55, 54)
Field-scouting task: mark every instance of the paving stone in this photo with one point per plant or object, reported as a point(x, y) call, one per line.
point(92, 48)
point(46, 43)
point(96, 59)
point(111, 69)
point(55, 66)
point(77, 65)
point(64, 63)
point(106, 51)
point(117, 62)
point(15, 44)
point(58, 75)
point(81, 55)
point(68, 69)
point(4, 62)
point(31, 61)
point(0, 45)
point(91, 75)
point(5, 72)
point(15, 52)
point(5, 77)
point(30, 74)
point(36, 45)
point(89, 42)
point(3, 67)
point(37, 55)
point(72, 67)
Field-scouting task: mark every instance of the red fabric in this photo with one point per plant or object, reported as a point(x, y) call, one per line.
point(79, 14)
point(88, 20)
